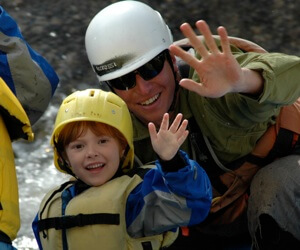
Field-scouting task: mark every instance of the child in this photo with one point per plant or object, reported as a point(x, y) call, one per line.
point(109, 204)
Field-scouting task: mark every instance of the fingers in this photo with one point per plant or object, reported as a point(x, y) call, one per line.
point(183, 137)
point(224, 40)
point(182, 133)
point(178, 128)
point(176, 123)
point(165, 122)
point(152, 131)
point(167, 141)
point(184, 55)
point(210, 41)
point(197, 43)
point(194, 40)
point(192, 86)
point(183, 125)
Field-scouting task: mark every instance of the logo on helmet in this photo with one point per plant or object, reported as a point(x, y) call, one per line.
point(113, 64)
point(103, 69)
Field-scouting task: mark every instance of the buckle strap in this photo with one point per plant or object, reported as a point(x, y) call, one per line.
point(79, 220)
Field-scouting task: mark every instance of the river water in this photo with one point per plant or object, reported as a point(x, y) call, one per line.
point(36, 175)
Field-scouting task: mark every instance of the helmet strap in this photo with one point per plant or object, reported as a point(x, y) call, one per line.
point(123, 158)
point(63, 164)
point(172, 106)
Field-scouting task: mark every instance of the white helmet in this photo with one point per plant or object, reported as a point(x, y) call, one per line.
point(124, 36)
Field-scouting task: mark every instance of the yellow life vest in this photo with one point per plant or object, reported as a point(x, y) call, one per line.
point(10, 108)
point(105, 204)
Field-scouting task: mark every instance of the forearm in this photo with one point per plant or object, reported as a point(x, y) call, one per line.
point(166, 200)
point(253, 83)
point(192, 175)
point(280, 76)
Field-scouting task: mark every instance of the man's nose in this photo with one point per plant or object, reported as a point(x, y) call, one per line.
point(142, 86)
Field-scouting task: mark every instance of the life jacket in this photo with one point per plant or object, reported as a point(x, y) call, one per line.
point(94, 217)
point(14, 124)
point(231, 182)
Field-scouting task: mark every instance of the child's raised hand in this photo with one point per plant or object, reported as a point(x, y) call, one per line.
point(167, 140)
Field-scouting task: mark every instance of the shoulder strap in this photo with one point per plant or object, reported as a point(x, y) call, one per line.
point(280, 139)
point(140, 171)
point(62, 187)
point(205, 156)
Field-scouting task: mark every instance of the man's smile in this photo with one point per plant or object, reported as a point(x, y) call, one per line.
point(151, 100)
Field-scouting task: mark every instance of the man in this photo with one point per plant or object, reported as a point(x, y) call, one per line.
point(27, 83)
point(231, 98)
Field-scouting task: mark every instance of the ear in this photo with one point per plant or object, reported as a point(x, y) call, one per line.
point(174, 62)
point(62, 162)
point(66, 159)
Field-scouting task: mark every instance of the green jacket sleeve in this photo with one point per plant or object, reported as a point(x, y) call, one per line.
point(281, 75)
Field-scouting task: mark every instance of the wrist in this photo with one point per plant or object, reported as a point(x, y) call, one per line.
point(174, 164)
point(253, 82)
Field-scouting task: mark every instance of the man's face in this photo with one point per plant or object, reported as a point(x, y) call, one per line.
point(149, 100)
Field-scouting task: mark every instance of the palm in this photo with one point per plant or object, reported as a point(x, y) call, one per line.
point(218, 71)
point(167, 140)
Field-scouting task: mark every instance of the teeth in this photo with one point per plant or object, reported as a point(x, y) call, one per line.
point(150, 101)
point(95, 166)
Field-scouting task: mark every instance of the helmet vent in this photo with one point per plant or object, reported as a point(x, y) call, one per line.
point(92, 93)
point(68, 100)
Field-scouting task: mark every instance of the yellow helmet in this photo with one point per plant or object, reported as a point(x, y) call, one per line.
point(99, 106)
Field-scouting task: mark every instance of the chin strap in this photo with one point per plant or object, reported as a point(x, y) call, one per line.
point(172, 106)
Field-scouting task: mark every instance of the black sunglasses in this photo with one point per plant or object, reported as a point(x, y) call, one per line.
point(148, 71)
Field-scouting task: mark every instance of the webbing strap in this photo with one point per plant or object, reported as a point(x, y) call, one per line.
point(285, 143)
point(55, 192)
point(79, 220)
point(4, 238)
point(204, 157)
point(138, 171)
point(147, 245)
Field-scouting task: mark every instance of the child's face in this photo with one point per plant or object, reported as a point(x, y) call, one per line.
point(94, 159)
